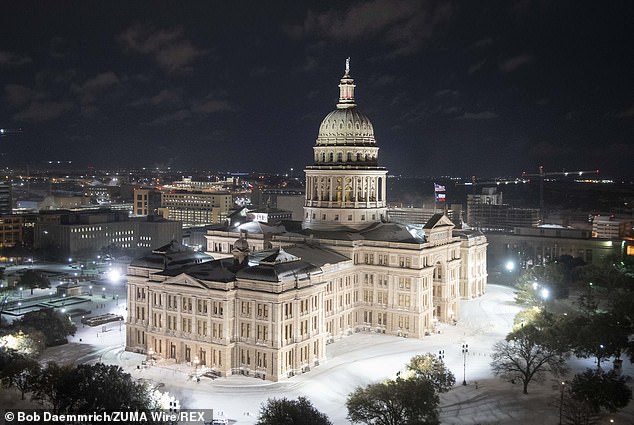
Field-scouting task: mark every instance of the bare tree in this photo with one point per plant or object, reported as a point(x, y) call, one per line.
point(527, 355)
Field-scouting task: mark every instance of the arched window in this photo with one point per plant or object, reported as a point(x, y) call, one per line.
point(349, 157)
point(339, 157)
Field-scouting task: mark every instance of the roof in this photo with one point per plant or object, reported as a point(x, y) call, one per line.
point(386, 232)
point(172, 255)
point(298, 261)
point(435, 220)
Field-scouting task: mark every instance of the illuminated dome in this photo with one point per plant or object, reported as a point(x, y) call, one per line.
point(345, 186)
point(346, 126)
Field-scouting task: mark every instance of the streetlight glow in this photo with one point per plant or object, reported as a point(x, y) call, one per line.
point(545, 293)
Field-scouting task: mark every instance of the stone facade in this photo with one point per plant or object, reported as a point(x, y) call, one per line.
point(268, 299)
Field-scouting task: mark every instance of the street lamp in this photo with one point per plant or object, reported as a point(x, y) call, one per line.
point(19, 307)
point(544, 293)
point(561, 402)
point(90, 287)
point(465, 351)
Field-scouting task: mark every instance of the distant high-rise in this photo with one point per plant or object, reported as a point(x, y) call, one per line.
point(6, 198)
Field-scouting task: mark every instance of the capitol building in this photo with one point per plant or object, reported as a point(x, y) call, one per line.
point(265, 300)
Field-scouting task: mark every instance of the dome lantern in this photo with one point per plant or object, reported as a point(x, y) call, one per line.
point(346, 89)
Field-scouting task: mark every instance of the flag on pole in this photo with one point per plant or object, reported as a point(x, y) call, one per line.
point(438, 188)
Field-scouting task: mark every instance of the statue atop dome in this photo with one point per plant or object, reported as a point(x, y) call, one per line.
point(346, 89)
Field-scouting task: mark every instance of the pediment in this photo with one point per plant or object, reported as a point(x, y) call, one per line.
point(184, 279)
point(439, 220)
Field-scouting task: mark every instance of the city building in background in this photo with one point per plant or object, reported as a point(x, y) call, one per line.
point(612, 227)
point(487, 212)
point(88, 233)
point(147, 201)
point(196, 208)
point(6, 198)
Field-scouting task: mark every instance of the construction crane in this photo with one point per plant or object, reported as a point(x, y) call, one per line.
point(543, 174)
point(8, 131)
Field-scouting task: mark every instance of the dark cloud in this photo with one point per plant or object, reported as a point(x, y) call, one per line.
point(17, 95)
point(261, 71)
point(169, 48)
point(543, 150)
point(447, 93)
point(211, 106)
point(92, 87)
point(59, 48)
point(382, 80)
point(476, 66)
point(484, 115)
point(10, 60)
point(168, 97)
point(484, 42)
point(39, 111)
point(511, 64)
point(628, 113)
point(405, 25)
point(169, 118)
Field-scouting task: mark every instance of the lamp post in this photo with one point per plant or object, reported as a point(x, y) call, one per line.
point(90, 287)
point(465, 351)
point(561, 401)
point(19, 307)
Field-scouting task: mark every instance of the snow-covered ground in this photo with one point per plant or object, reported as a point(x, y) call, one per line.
point(356, 360)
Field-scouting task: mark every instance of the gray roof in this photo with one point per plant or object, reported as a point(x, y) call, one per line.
point(172, 255)
point(215, 271)
point(386, 232)
point(298, 261)
point(433, 221)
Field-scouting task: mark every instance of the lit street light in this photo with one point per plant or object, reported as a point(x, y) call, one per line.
point(19, 307)
point(561, 402)
point(465, 350)
point(545, 293)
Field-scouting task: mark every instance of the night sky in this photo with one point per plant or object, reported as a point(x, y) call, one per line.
point(452, 87)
